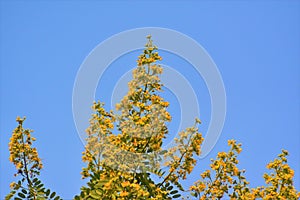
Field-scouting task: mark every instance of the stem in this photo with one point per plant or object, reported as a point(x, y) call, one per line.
point(145, 89)
point(25, 162)
point(144, 148)
point(182, 155)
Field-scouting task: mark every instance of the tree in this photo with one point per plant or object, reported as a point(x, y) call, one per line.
point(123, 165)
point(125, 159)
point(28, 165)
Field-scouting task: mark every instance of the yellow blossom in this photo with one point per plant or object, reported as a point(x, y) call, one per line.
point(125, 184)
point(12, 185)
point(123, 194)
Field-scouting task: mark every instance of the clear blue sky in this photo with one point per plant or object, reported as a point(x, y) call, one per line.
point(256, 46)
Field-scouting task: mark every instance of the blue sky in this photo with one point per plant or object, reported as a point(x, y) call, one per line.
point(256, 46)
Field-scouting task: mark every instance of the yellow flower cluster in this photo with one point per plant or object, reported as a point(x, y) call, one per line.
point(101, 125)
point(280, 183)
point(117, 159)
point(28, 165)
point(180, 159)
point(149, 56)
point(228, 181)
point(143, 112)
point(22, 154)
point(124, 151)
point(224, 175)
point(142, 126)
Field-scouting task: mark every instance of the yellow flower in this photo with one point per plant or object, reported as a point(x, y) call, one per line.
point(107, 121)
point(193, 187)
point(125, 184)
point(165, 104)
point(168, 116)
point(111, 126)
point(107, 185)
point(215, 165)
point(118, 106)
point(198, 121)
point(202, 186)
point(12, 185)
point(123, 194)
point(135, 186)
point(231, 142)
point(235, 171)
point(11, 158)
point(221, 154)
point(19, 165)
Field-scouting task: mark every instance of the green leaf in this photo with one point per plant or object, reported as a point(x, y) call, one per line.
point(163, 152)
point(170, 188)
point(194, 194)
point(82, 195)
point(77, 197)
point(100, 183)
point(57, 198)
point(98, 192)
point(47, 192)
point(40, 186)
point(176, 196)
point(52, 195)
point(179, 186)
point(94, 195)
point(10, 195)
point(37, 183)
point(42, 190)
point(97, 175)
point(174, 192)
point(21, 195)
point(24, 191)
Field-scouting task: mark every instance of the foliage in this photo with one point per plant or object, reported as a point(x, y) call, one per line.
point(125, 159)
point(280, 182)
point(123, 165)
point(226, 180)
point(28, 165)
